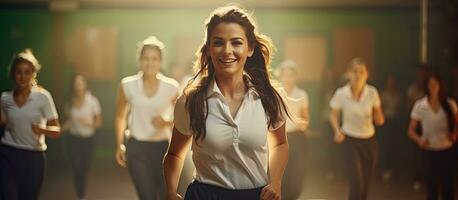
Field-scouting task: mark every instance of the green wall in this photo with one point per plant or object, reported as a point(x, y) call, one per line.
point(25, 29)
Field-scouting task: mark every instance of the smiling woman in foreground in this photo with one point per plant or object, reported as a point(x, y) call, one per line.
point(233, 116)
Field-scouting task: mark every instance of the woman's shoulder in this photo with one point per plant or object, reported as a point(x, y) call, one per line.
point(6, 96)
point(168, 81)
point(41, 91)
point(342, 90)
point(300, 92)
point(6, 93)
point(421, 102)
point(91, 97)
point(180, 104)
point(371, 88)
point(130, 79)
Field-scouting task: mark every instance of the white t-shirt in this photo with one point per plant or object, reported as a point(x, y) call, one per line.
point(296, 102)
point(234, 153)
point(38, 109)
point(184, 82)
point(87, 111)
point(143, 109)
point(391, 101)
point(356, 115)
point(434, 125)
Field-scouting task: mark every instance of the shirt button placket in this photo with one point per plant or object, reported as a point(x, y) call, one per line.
point(236, 135)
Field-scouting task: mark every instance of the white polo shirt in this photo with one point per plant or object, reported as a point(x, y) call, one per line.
point(87, 111)
point(143, 109)
point(234, 153)
point(296, 101)
point(356, 115)
point(38, 109)
point(433, 124)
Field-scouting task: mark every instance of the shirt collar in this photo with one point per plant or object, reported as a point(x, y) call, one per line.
point(213, 88)
point(364, 92)
point(33, 89)
point(140, 73)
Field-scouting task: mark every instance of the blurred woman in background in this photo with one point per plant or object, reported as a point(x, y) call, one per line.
point(361, 108)
point(147, 97)
point(298, 104)
point(83, 118)
point(436, 113)
point(29, 115)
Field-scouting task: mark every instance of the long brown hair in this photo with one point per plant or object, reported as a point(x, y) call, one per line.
point(256, 67)
point(443, 99)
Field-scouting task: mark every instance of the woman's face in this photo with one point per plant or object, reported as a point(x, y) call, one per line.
point(390, 82)
point(433, 86)
point(79, 85)
point(229, 49)
point(150, 61)
point(24, 75)
point(287, 76)
point(358, 74)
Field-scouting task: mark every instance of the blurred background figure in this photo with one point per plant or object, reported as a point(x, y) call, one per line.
point(297, 101)
point(361, 108)
point(416, 91)
point(29, 115)
point(181, 73)
point(390, 136)
point(331, 159)
point(83, 118)
point(436, 115)
point(147, 98)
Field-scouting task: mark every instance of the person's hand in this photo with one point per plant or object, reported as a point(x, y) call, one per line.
point(121, 156)
point(424, 143)
point(37, 129)
point(159, 122)
point(339, 137)
point(271, 192)
point(174, 196)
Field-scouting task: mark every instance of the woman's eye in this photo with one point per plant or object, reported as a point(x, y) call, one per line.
point(218, 43)
point(237, 43)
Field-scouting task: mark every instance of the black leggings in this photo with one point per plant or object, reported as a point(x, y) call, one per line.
point(390, 142)
point(438, 169)
point(80, 151)
point(21, 173)
point(201, 191)
point(360, 157)
point(144, 162)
